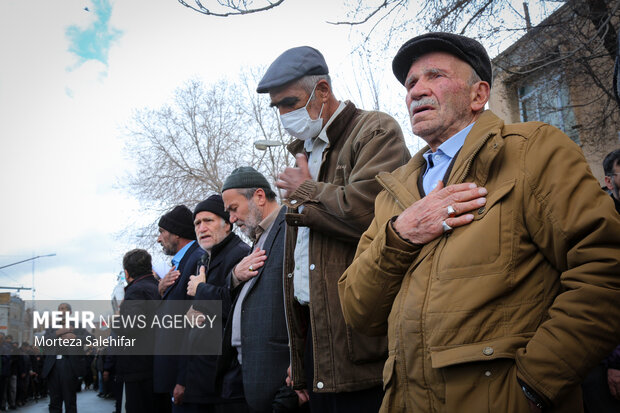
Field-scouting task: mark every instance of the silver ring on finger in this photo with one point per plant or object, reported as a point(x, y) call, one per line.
point(446, 227)
point(251, 268)
point(451, 211)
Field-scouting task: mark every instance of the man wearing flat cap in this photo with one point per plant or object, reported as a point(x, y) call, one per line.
point(493, 260)
point(330, 193)
point(223, 250)
point(255, 336)
point(178, 239)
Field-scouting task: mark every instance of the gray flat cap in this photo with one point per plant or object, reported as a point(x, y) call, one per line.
point(292, 65)
point(466, 49)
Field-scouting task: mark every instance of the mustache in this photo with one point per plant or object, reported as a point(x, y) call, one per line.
point(427, 101)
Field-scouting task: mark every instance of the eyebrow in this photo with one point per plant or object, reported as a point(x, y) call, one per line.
point(286, 102)
point(430, 71)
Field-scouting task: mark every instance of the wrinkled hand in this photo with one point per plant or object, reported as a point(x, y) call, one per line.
point(421, 222)
point(194, 280)
point(178, 393)
point(168, 280)
point(613, 380)
point(292, 178)
point(255, 260)
point(196, 316)
point(302, 395)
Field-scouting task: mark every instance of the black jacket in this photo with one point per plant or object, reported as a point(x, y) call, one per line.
point(167, 371)
point(138, 296)
point(200, 377)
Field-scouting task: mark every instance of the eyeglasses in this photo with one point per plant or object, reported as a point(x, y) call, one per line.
point(614, 174)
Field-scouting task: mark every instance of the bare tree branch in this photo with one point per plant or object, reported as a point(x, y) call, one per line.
point(236, 9)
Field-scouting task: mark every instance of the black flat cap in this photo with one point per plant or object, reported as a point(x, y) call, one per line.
point(466, 49)
point(292, 65)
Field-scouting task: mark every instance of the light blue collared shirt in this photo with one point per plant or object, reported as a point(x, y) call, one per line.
point(439, 160)
point(179, 255)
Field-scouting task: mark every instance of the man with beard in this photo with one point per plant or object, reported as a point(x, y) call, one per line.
point(177, 238)
point(224, 249)
point(255, 336)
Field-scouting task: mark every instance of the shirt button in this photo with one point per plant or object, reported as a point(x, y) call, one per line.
point(311, 266)
point(297, 267)
point(289, 275)
point(320, 385)
point(487, 373)
point(487, 351)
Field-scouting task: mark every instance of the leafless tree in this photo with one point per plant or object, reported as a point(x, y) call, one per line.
point(184, 150)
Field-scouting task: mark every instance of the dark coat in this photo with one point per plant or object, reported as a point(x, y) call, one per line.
point(200, 377)
point(76, 361)
point(264, 338)
point(166, 371)
point(138, 294)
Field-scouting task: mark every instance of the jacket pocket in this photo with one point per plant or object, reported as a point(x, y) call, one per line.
point(484, 246)
point(365, 349)
point(482, 377)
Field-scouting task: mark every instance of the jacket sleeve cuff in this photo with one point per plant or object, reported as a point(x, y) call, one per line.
point(394, 240)
point(304, 193)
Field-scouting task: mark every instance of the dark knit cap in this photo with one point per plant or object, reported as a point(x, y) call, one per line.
point(179, 221)
point(245, 177)
point(466, 49)
point(291, 65)
point(213, 204)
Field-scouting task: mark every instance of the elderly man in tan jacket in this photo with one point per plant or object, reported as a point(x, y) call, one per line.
point(493, 261)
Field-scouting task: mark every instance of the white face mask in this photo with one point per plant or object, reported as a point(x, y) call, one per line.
point(299, 124)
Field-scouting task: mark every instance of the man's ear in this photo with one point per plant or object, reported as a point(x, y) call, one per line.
point(480, 92)
point(608, 183)
point(322, 90)
point(259, 197)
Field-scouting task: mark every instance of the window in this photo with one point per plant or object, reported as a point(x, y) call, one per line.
point(547, 99)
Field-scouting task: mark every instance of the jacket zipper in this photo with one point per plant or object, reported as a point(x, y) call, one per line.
point(389, 190)
point(470, 160)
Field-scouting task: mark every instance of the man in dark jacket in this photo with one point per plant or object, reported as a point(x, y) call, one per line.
point(177, 237)
point(611, 167)
point(330, 194)
point(601, 388)
point(255, 336)
point(137, 370)
point(224, 250)
point(62, 370)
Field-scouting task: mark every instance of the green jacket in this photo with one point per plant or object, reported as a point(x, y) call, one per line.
point(338, 208)
point(529, 289)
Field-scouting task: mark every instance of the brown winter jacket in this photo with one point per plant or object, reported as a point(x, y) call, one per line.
point(338, 208)
point(529, 289)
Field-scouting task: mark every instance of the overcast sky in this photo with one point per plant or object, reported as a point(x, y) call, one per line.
point(69, 81)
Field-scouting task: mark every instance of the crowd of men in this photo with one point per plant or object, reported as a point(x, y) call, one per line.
point(483, 274)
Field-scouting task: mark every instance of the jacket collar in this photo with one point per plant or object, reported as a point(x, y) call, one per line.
point(402, 183)
point(215, 251)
